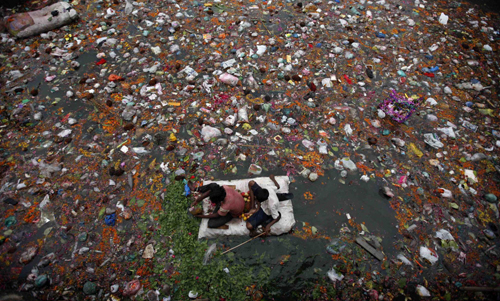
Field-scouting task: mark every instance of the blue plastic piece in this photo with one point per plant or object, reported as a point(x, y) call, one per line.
point(187, 190)
point(110, 220)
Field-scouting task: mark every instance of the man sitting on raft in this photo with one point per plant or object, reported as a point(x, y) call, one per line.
point(228, 204)
point(257, 215)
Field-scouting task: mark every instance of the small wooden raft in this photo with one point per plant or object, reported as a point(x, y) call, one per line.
point(376, 253)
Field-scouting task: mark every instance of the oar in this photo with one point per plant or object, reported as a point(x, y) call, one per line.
point(244, 243)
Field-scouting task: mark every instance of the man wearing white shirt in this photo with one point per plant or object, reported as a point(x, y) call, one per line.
point(267, 214)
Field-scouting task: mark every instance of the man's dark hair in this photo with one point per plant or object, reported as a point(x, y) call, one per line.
point(262, 195)
point(217, 193)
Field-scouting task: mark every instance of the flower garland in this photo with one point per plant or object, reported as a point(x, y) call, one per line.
point(399, 107)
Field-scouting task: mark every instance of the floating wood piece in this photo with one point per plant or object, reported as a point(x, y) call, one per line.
point(480, 289)
point(376, 253)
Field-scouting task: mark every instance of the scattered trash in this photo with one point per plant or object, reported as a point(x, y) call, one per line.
point(334, 275)
point(429, 255)
point(335, 247)
point(422, 291)
point(106, 104)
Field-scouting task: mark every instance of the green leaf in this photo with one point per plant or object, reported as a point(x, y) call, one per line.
point(447, 296)
point(102, 211)
point(402, 282)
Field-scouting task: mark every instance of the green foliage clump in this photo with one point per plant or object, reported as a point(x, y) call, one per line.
point(190, 274)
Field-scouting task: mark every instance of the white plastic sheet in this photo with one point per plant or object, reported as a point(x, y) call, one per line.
point(237, 226)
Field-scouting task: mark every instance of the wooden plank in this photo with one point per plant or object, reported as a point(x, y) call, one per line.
point(480, 289)
point(376, 253)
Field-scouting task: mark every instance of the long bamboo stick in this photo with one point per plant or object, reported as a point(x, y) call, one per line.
point(243, 243)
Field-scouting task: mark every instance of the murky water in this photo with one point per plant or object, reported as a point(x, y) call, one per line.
point(295, 262)
point(306, 260)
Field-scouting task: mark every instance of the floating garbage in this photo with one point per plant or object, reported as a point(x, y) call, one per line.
point(27, 24)
point(399, 107)
point(428, 254)
point(334, 275)
point(387, 108)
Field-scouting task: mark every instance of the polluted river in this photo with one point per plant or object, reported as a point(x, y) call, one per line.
point(379, 120)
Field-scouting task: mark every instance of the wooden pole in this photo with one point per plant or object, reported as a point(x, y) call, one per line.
point(244, 243)
point(481, 289)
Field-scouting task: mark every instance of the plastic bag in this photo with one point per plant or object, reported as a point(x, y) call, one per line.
point(46, 170)
point(334, 276)
point(208, 132)
point(404, 260)
point(429, 254)
point(338, 165)
point(448, 132)
point(444, 234)
point(209, 252)
point(230, 120)
point(432, 140)
point(445, 193)
point(322, 147)
point(251, 82)
point(140, 150)
point(243, 114)
point(365, 178)
point(431, 101)
point(471, 177)
point(308, 144)
point(348, 164)
point(335, 246)
point(261, 49)
point(110, 220)
point(422, 291)
point(228, 79)
point(348, 130)
point(129, 7)
point(443, 19)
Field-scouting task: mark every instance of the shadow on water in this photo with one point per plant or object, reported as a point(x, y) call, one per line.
point(296, 263)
